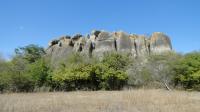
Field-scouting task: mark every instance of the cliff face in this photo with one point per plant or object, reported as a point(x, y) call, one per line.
point(100, 42)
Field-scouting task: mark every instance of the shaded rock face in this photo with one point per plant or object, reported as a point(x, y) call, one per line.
point(159, 43)
point(60, 48)
point(100, 42)
point(123, 42)
point(105, 42)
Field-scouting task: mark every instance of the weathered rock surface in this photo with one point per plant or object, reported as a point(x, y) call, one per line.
point(123, 42)
point(159, 43)
point(105, 42)
point(100, 42)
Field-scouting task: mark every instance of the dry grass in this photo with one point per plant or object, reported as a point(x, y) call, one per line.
point(102, 101)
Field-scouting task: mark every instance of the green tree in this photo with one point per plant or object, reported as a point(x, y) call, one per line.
point(31, 52)
point(89, 76)
point(20, 80)
point(116, 61)
point(39, 72)
point(25, 71)
point(4, 75)
point(187, 70)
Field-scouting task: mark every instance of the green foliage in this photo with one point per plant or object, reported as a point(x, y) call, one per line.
point(3, 78)
point(116, 61)
point(75, 58)
point(29, 71)
point(4, 82)
point(31, 53)
point(88, 76)
point(195, 80)
point(78, 73)
point(187, 71)
point(19, 79)
point(39, 72)
point(21, 82)
point(13, 77)
point(83, 73)
point(26, 71)
point(72, 78)
point(110, 78)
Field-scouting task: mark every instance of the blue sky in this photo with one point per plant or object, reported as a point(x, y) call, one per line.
point(24, 22)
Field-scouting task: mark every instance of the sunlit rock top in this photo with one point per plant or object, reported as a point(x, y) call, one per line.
point(100, 42)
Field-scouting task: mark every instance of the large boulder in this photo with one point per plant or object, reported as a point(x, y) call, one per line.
point(80, 44)
point(88, 48)
point(60, 49)
point(104, 43)
point(159, 42)
point(60, 53)
point(123, 42)
point(62, 41)
point(141, 44)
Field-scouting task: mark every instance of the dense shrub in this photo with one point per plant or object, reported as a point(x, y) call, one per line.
point(30, 70)
point(39, 72)
point(89, 77)
point(25, 71)
point(4, 81)
point(4, 77)
point(72, 78)
point(116, 61)
point(154, 71)
point(21, 82)
point(187, 71)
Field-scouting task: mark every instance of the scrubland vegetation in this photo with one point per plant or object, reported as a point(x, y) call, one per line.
point(142, 100)
point(30, 70)
point(142, 81)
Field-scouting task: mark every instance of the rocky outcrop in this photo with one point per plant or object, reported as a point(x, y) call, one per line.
point(160, 42)
point(60, 48)
point(105, 42)
point(123, 42)
point(100, 42)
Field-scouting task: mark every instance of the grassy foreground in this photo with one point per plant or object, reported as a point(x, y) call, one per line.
point(102, 101)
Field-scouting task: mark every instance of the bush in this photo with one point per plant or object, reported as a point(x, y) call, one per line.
point(114, 80)
point(110, 78)
point(21, 82)
point(72, 78)
point(89, 77)
point(39, 72)
point(4, 81)
point(195, 80)
point(29, 71)
point(187, 71)
point(4, 77)
point(26, 71)
point(155, 71)
point(116, 61)
point(139, 76)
